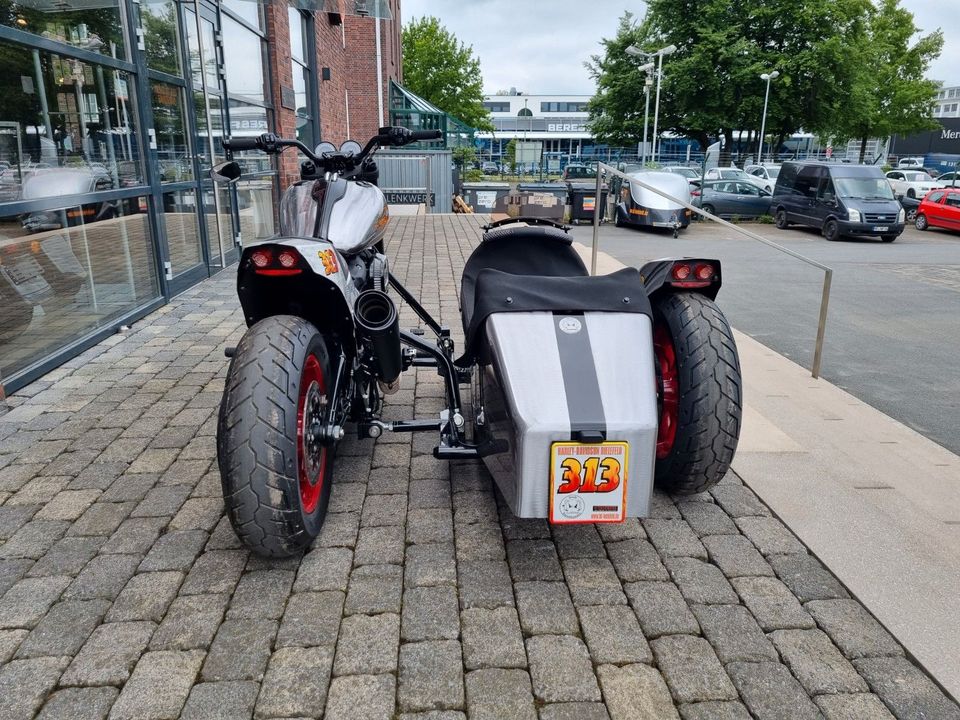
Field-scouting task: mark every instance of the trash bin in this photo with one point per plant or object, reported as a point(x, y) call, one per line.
point(558, 190)
point(487, 197)
point(583, 199)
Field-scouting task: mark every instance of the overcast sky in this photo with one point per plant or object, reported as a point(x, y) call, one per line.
point(540, 47)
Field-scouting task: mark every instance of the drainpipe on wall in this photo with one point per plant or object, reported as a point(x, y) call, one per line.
point(379, 74)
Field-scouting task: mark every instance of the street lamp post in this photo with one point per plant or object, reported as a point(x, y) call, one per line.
point(766, 99)
point(647, 84)
point(669, 49)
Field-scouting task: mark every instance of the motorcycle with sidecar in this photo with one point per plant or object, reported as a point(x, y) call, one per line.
point(584, 391)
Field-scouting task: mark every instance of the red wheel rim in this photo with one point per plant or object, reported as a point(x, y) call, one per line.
point(311, 452)
point(669, 390)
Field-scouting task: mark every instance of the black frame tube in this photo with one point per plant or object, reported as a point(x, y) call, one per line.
point(421, 312)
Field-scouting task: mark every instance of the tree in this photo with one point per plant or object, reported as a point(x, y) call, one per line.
point(442, 70)
point(890, 94)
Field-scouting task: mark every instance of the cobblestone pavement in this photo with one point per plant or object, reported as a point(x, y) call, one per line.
point(126, 594)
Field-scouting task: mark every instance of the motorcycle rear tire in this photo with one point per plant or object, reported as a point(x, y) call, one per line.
point(270, 476)
point(707, 392)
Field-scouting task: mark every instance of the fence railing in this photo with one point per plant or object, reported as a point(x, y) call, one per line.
point(604, 169)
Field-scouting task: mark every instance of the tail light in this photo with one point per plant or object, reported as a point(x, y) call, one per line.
point(694, 193)
point(692, 274)
point(266, 261)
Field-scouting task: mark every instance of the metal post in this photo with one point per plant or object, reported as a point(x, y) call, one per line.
point(656, 107)
point(379, 72)
point(822, 323)
point(763, 122)
point(596, 224)
point(646, 116)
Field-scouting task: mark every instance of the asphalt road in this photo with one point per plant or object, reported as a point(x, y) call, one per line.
point(893, 330)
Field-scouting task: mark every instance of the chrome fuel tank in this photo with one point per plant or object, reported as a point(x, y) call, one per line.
point(351, 215)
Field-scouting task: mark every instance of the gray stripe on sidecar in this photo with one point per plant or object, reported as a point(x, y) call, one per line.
point(584, 404)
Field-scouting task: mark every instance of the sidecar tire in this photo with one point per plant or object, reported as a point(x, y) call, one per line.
point(707, 393)
point(258, 444)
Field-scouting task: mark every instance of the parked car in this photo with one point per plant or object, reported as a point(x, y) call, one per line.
point(766, 173)
point(839, 200)
point(732, 197)
point(578, 171)
point(950, 179)
point(941, 209)
point(910, 163)
point(732, 173)
point(689, 173)
point(490, 168)
point(911, 183)
point(909, 206)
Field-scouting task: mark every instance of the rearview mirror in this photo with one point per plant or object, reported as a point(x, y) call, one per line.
point(226, 172)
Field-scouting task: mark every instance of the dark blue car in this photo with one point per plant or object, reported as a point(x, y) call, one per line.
point(727, 198)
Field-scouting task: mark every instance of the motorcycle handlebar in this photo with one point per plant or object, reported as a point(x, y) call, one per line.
point(241, 143)
point(426, 135)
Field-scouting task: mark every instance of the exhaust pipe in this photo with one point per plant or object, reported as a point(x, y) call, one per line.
point(379, 325)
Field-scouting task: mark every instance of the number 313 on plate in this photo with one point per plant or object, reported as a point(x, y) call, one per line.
point(588, 482)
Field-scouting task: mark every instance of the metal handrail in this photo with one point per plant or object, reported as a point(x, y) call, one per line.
point(827, 271)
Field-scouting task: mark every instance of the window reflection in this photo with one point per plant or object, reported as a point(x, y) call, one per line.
point(246, 9)
point(65, 126)
point(255, 205)
point(94, 26)
point(66, 272)
point(169, 120)
point(180, 222)
point(159, 21)
point(243, 60)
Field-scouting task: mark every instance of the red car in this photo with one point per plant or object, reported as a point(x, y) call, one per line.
point(940, 208)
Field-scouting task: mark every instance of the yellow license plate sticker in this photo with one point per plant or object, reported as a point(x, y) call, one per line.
point(588, 482)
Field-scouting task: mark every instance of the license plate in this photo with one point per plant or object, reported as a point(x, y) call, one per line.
point(588, 482)
point(880, 229)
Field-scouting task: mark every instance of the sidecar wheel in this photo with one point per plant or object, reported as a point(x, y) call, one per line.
point(699, 393)
point(275, 473)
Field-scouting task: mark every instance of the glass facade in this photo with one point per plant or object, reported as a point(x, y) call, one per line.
point(111, 115)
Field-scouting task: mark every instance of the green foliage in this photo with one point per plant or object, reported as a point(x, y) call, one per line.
point(473, 175)
point(464, 155)
point(510, 155)
point(441, 69)
point(889, 93)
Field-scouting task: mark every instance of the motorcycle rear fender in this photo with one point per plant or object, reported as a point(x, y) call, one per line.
point(657, 279)
point(323, 293)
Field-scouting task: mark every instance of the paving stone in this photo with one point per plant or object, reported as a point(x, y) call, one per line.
point(674, 538)
point(534, 559)
point(613, 635)
point(574, 711)
point(738, 501)
point(25, 683)
point(636, 692)
point(430, 613)
point(578, 541)
point(515, 528)
point(770, 692)
point(560, 669)
point(807, 578)
point(240, 650)
point(661, 609)
point(734, 634)
point(430, 525)
point(296, 682)
point(485, 583)
point(215, 571)
point(99, 475)
point(103, 577)
point(374, 589)
point(629, 529)
point(68, 556)
point(221, 701)
point(68, 505)
point(862, 706)
point(12, 518)
point(367, 644)
point(691, 669)
point(493, 694)
point(736, 556)
point(361, 697)
point(905, 689)
point(492, 638)
point(29, 599)
point(64, 629)
point(79, 704)
point(480, 542)
point(198, 513)
point(101, 518)
point(324, 569)
point(158, 687)
point(379, 545)
point(261, 594)
point(134, 536)
point(636, 560)
point(706, 518)
point(339, 530)
point(9, 642)
point(311, 619)
point(429, 493)
point(475, 507)
point(109, 654)
point(34, 539)
point(383, 510)
point(853, 629)
point(593, 581)
point(816, 663)
point(431, 676)
point(545, 608)
point(387, 481)
point(431, 564)
point(714, 710)
point(772, 604)
point(770, 536)
point(190, 623)
point(662, 506)
point(174, 551)
point(700, 582)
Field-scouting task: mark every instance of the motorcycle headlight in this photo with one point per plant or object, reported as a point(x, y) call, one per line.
point(902, 216)
point(853, 215)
